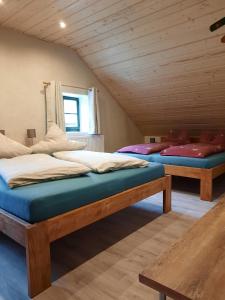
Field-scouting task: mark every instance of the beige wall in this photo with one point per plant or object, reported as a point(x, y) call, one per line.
point(24, 63)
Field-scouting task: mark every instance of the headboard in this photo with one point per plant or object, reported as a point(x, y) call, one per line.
point(2, 131)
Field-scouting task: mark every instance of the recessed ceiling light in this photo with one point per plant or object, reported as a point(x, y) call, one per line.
point(1, 2)
point(61, 24)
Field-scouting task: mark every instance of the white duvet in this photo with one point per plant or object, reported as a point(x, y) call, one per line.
point(100, 162)
point(34, 168)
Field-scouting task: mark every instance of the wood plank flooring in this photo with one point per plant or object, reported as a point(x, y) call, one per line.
point(102, 261)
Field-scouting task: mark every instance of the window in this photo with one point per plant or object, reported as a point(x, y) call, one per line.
point(77, 112)
point(71, 113)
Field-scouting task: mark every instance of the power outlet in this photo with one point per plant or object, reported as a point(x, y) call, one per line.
point(152, 139)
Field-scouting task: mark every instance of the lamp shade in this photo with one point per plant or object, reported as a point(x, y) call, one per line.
point(31, 133)
point(2, 131)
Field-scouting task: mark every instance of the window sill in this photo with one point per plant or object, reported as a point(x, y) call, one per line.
point(77, 134)
point(80, 134)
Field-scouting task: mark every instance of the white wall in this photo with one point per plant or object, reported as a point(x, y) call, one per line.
point(25, 62)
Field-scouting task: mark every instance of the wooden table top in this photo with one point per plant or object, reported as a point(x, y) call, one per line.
point(194, 267)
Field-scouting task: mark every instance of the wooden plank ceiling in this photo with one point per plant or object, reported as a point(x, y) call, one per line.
point(157, 57)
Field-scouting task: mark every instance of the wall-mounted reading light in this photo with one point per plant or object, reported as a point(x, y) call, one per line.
point(31, 135)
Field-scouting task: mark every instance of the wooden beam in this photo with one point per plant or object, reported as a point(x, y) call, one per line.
point(167, 194)
point(206, 185)
point(13, 227)
point(218, 170)
point(183, 171)
point(73, 220)
point(38, 259)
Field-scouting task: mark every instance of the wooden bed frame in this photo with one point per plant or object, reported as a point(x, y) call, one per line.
point(36, 238)
point(206, 177)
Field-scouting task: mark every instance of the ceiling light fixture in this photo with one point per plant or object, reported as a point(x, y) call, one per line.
point(1, 2)
point(61, 24)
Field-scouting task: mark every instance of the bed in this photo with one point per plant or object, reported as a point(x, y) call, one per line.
point(38, 214)
point(148, 157)
point(205, 169)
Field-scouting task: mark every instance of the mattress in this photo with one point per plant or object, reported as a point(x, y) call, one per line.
point(205, 163)
point(38, 202)
point(148, 157)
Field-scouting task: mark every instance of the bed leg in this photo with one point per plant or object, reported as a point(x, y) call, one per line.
point(206, 185)
point(167, 194)
point(38, 260)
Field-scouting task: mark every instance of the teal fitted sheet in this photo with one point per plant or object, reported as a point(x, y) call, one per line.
point(205, 163)
point(41, 201)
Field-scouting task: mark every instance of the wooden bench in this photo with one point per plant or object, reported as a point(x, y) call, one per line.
point(194, 267)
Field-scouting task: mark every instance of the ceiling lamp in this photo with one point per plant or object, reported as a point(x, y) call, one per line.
point(62, 24)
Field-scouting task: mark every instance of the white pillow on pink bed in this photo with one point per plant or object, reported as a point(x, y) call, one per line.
point(56, 140)
point(10, 148)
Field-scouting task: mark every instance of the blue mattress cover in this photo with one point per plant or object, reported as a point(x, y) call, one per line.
point(148, 157)
point(41, 201)
point(205, 163)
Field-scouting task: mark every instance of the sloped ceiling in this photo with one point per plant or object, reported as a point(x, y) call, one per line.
point(157, 57)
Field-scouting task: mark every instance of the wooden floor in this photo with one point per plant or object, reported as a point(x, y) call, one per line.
point(102, 261)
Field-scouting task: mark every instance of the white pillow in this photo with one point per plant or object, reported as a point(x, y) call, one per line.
point(101, 162)
point(56, 140)
point(55, 133)
point(49, 147)
point(10, 148)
